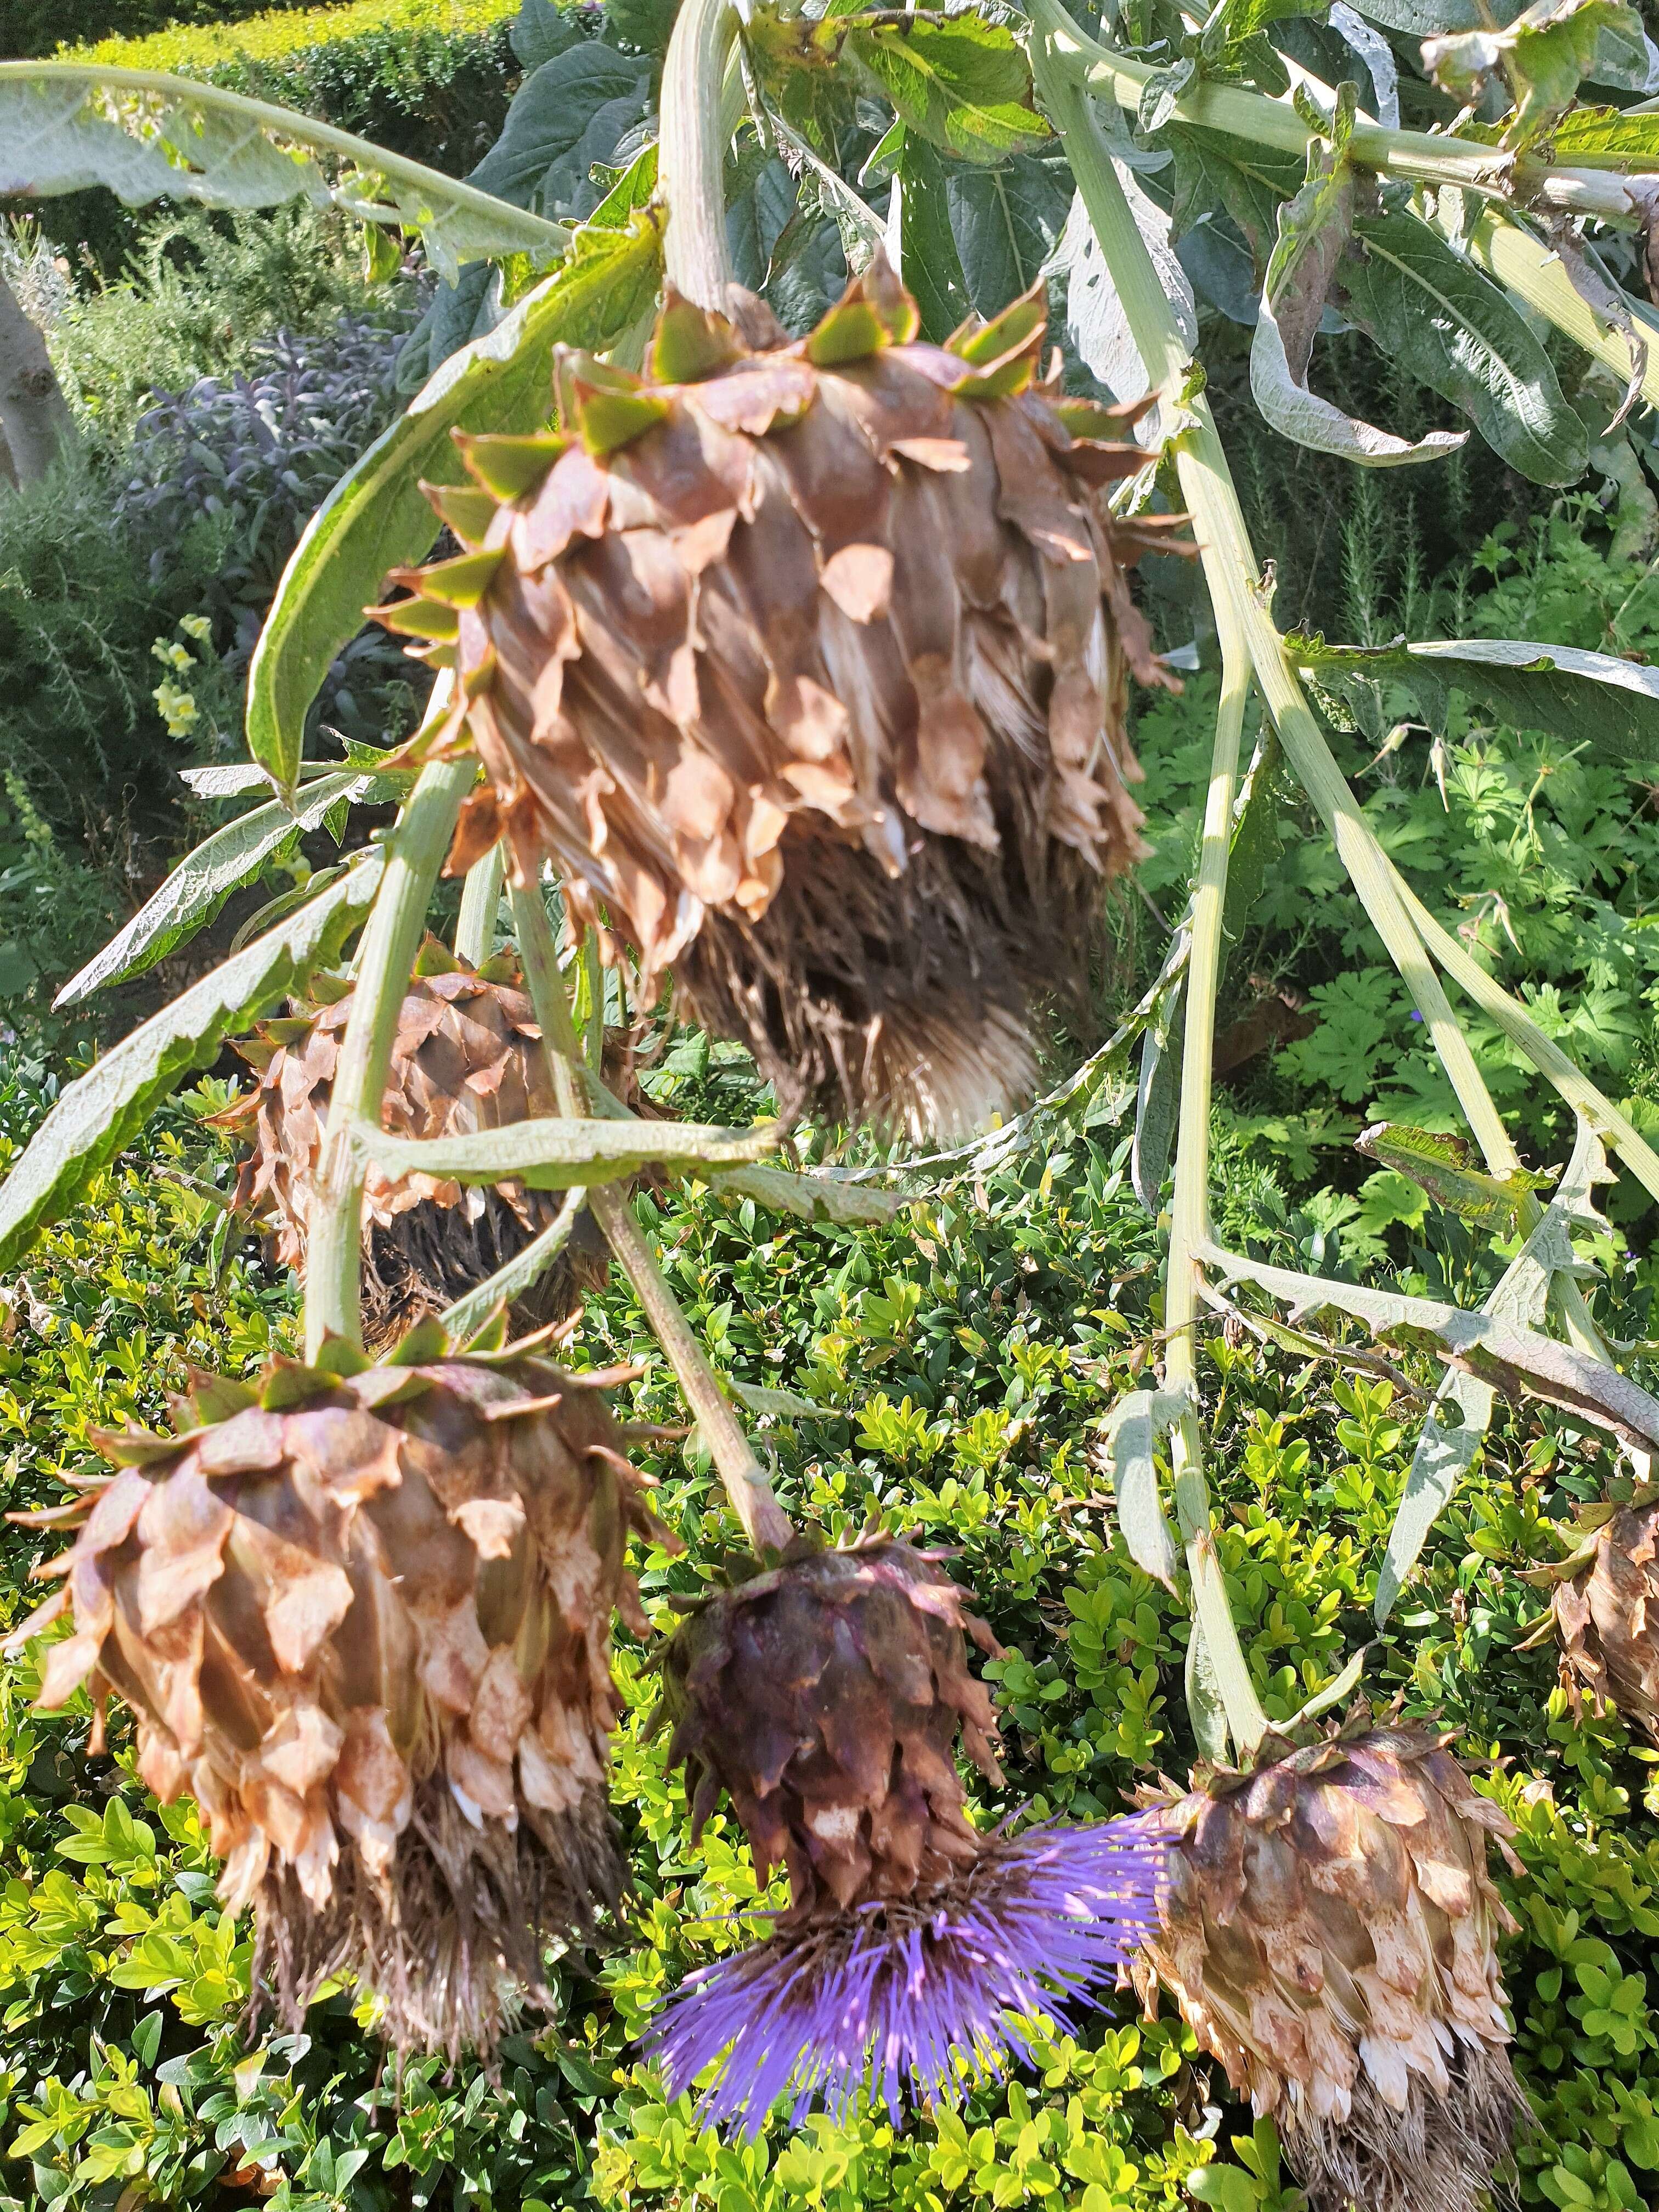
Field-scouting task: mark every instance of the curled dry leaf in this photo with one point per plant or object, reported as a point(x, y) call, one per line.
point(805, 665)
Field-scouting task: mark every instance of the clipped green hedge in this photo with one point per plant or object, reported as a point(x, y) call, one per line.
point(41, 27)
point(429, 78)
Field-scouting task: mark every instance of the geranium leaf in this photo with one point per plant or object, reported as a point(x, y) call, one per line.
point(377, 517)
point(95, 1116)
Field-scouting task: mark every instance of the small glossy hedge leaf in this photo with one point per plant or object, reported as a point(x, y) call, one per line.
point(377, 517)
point(97, 1115)
point(1591, 699)
point(1433, 313)
point(201, 884)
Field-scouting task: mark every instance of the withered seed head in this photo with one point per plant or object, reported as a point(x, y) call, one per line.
point(805, 665)
point(1328, 1933)
point(467, 1057)
point(826, 1695)
point(364, 1618)
point(1607, 1615)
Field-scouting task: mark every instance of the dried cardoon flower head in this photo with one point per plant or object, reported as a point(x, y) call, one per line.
point(825, 1695)
point(1607, 1611)
point(362, 1614)
point(805, 665)
point(467, 1057)
point(1328, 1933)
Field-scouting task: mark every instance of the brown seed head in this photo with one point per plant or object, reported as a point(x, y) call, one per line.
point(805, 665)
point(364, 1618)
point(1607, 1615)
point(1329, 1933)
point(467, 1057)
point(826, 1696)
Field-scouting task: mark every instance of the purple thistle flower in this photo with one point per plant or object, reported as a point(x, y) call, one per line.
point(916, 1996)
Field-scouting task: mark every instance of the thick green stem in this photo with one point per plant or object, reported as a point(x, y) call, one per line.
point(481, 902)
point(691, 151)
point(1212, 1617)
point(1504, 249)
point(1244, 620)
point(1414, 156)
point(764, 1522)
point(391, 941)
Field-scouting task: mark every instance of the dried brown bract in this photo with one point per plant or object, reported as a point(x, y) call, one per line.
point(1328, 1933)
point(467, 1057)
point(364, 1618)
point(1607, 1614)
point(805, 665)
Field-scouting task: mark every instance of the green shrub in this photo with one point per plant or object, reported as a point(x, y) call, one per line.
point(41, 27)
point(962, 1358)
point(429, 78)
point(199, 295)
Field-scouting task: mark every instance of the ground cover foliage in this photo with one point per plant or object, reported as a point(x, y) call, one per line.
point(963, 1360)
point(957, 1364)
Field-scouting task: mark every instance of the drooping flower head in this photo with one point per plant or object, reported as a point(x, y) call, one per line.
point(362, 1614)
point(826, 1696)
point(805, 665)
point(1328, 1932)
point(1606, 1611)
point(465, 1056)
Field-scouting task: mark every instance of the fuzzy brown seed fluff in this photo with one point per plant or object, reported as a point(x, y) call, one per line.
point(1607, 1615)
point(1329, 1933)
point(364, 1618)
point(805, 665)
point(826, 1696)
point(467, 1057)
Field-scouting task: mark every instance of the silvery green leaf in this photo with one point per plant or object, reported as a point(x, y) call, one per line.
point(1432, 312)
point(1128, 1441)
point(557, 1154)
point(1099, 327)
point(1514, 1359)
point(97, 1114)
point(1378, 56)
point(1591, 699)
point(1314, 231)
point(1446, 1448)
point(65, 126)
point(201, 884)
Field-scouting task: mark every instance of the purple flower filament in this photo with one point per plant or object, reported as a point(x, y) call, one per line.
point(916, 1996)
